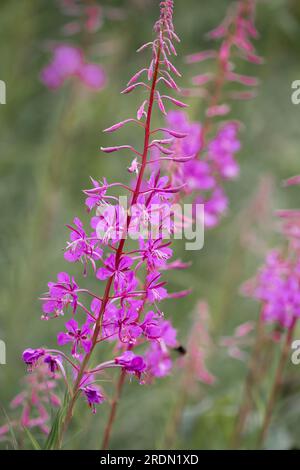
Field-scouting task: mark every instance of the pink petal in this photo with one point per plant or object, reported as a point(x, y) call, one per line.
point(132, 87)
point(136, 76)
point(220, 110)
point(178, 103)
point(202, 79)
point(201, 56)
point(118, 125)
point(103, 274)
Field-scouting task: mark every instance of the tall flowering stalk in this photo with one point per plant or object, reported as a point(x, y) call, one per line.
point(127, 312)
point(235, 33)
point(214, 143)
point(276, 286)
point(38, 395)
point(161, 70)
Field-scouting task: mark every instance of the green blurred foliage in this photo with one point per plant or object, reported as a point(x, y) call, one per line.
point(50, 145)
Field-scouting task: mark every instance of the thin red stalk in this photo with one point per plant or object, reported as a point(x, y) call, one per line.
point(219, 84)
point(98, 325)
point(113, 409)
point(246, 403)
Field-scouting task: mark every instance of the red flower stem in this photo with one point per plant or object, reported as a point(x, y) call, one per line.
point(106, 296)
point(246, 403)
point(276, 384)
point(114, 405)
point(219, 84)
point(121, 380)
point(113, 410)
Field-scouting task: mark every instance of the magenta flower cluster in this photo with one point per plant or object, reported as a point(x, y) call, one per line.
point(203, 178)
point(277, 284)
point(39, 391)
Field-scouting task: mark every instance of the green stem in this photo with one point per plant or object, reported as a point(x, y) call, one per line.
point(276, 384)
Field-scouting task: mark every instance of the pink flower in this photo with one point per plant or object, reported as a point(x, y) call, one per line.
point(158, 360)
point(155, 290)
point(214, 207)
point(51, 77)
point(240, 338)
point(222, 148)
point(93, 395)
point(131, 363)
point(93, 76)
point(80, 337)
point(155, 252)
point(81, 247)
point(118, 270)
point(68, 61)
point(198, 348)
point(37, 395)
point(60, 295)
point(31, 357)
point(277, 286)
point(168, 334)
point(53, 362)
point(96, 195)
point(110, 223)
point(201, 178)
point(122, 323)
point(178, 121)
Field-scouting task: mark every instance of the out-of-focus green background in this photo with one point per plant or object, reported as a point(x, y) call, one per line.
point(50, 146)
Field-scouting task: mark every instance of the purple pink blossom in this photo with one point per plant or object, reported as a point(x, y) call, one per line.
point(204, 178)
point(35, 400)
point(276, 286)
point(68, 61)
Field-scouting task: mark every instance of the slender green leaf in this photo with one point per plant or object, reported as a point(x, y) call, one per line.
point(53, 438)
point(32, 439)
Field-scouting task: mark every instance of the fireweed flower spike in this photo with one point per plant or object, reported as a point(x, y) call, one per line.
point(127, 312)
point(276, 287)
point(35, 400)
point(216, 146)
point(236, 33)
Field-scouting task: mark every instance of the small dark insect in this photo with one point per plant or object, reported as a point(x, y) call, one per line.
point(181, 350)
